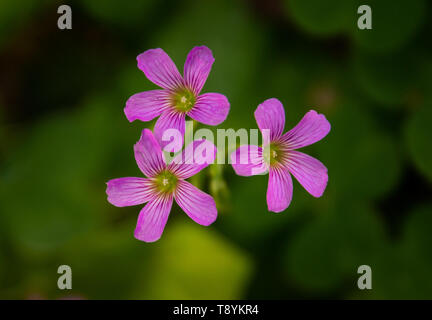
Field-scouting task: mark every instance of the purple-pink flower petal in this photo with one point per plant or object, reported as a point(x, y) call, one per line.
point(159, 69)
point(153, 217)
point(195, 157)
point(147, 105)
point(197, 68)
point(198, 205)
point(312, 128)
point(170, 119)
point(271, 115)
point(279, 190)
point(123, 192)
point(248, 160)
point(210, 108)
point(309, 172)
point(148, 154)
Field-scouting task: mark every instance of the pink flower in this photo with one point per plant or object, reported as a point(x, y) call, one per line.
point(164, 184)
point(279, 156)
point(180, 96)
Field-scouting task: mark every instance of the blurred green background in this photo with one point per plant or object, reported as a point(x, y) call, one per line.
point(63, 134)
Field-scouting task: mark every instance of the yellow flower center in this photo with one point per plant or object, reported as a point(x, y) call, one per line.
point(166, 182)
point(273, 154)
point(183, 100)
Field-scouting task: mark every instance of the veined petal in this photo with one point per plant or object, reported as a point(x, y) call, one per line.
point(312, 128)
point(197, 68)
point(147, 105)
point(195, 157)
point(148, 154)
point(210, 108)
point(279, 190)
point(173, 120)
point(270, 115)
point(159, 68)
point(198, 205)
point(153, 217)
point(248, 160)
point(309, 172)
point(123, 192)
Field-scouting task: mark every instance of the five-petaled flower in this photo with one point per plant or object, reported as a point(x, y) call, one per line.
point(279, 157)
point(165, 183)
point(180, 96)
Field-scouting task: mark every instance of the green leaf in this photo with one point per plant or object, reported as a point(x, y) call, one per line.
point(249, 222)
point(399, 276)
point(132, 15)
point(54, 183)
point(195, 262)
point(362, 161)
point(394, 23)
point(417, 236)
point(14, 15)
point(107, 264)
point(403, 270)
point(387, 79)
point(322, 17)
point(327, 252)
point(418, 137)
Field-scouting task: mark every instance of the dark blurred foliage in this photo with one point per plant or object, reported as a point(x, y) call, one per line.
point(63, 134)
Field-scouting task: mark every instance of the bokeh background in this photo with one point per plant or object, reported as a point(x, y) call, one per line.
point(63, 134)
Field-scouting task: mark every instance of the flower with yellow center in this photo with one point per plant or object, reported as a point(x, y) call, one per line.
point(180, 96)
point(279, 156)
point(163, 184)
